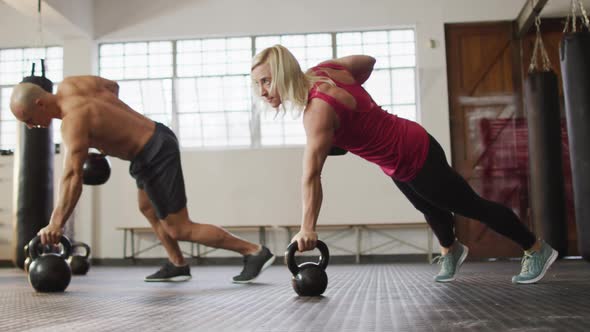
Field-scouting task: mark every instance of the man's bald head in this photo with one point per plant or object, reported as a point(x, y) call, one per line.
point(23, 99)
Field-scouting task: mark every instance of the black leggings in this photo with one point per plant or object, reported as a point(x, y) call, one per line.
point(438, 191)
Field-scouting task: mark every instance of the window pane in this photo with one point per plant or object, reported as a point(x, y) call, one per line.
point(405, 111)
point(280, 129)
point(379, 86)
point(219, 107)
point(136, 60)
point(392, 83)
point(8, 134)
point(402, 82)
point(214, 129)
point(214, 57)
point(191, 130)
point(7, 122)
point(16, 64)
point(238, 124)
point(153, 98)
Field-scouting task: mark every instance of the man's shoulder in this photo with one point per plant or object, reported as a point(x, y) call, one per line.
point(67, 87)
point(77, 83)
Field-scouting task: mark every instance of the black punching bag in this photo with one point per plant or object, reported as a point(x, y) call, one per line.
point(574, 55)
point(33, 170)
point(547, 195)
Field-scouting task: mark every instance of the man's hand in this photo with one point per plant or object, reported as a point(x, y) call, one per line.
point(51, 234)
point(306, 240)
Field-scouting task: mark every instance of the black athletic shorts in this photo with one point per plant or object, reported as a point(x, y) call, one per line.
point(157, 171)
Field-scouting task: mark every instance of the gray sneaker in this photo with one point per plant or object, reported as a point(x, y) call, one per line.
point(451, 262)
point(254, 265)
point(170, 273)
point(535, 264)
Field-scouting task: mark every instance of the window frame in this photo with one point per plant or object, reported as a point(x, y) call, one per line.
point(255, 116)
point(27, 72)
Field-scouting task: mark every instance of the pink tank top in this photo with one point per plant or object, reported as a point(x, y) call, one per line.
point(399, 146)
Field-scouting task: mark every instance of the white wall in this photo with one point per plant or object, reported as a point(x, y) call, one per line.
point(5, 206)
point(261, 186)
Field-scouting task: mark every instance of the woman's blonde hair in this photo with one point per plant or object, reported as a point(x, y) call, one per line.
point(288, 79)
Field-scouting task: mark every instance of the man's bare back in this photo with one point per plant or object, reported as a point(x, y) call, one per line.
point(93, 115)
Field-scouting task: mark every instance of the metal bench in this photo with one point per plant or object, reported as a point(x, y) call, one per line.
point(130, 232)
point(341, 230)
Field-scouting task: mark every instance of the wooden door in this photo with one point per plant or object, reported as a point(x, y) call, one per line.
point(488, 132)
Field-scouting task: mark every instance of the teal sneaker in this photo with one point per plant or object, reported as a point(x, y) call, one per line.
point(451, 262)
point(535, 264)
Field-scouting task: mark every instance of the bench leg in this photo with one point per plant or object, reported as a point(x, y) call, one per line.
point(124, 243)
point(289, 235)
point(357, 231)
point(262, 235)
point(132, 245)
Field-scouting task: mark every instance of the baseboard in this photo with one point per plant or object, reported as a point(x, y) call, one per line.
point(339, 259)
point(6, 263)
point(334, 260)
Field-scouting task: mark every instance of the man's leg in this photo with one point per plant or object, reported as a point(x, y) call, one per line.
point(181, 228)
point(177, 269)
point(165, 188)
point(171, 245)
point(256, 257)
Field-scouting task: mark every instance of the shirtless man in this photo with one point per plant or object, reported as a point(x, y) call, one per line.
point(93, 116)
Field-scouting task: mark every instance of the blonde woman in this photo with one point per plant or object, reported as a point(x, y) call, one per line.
point(337, 111)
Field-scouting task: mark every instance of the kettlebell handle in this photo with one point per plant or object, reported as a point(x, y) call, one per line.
point(36, 241)
point(81, 245)
point(97, 155)
point(290, 256)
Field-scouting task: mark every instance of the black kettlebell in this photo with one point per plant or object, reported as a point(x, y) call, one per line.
point(96, 169)
point(28, 259)
point(49, 271)
point(309, 279)
point(80, 264)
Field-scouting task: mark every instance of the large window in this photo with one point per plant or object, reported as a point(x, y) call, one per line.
point(201, 88)
point(15, 64)
point(393, 81)
point(144, 72)
point(212, 91)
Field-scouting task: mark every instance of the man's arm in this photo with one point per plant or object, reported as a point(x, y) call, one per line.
point(75, 138)
point(318, 121)
point(360, 66)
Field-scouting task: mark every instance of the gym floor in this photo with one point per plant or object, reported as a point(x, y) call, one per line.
point(387, 297)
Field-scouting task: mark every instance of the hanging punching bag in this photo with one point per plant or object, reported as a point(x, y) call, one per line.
point(547, 194)
point(33, 175)
point(575, 68)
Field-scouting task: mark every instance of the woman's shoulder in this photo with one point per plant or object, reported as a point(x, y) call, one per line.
point(342, 96)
